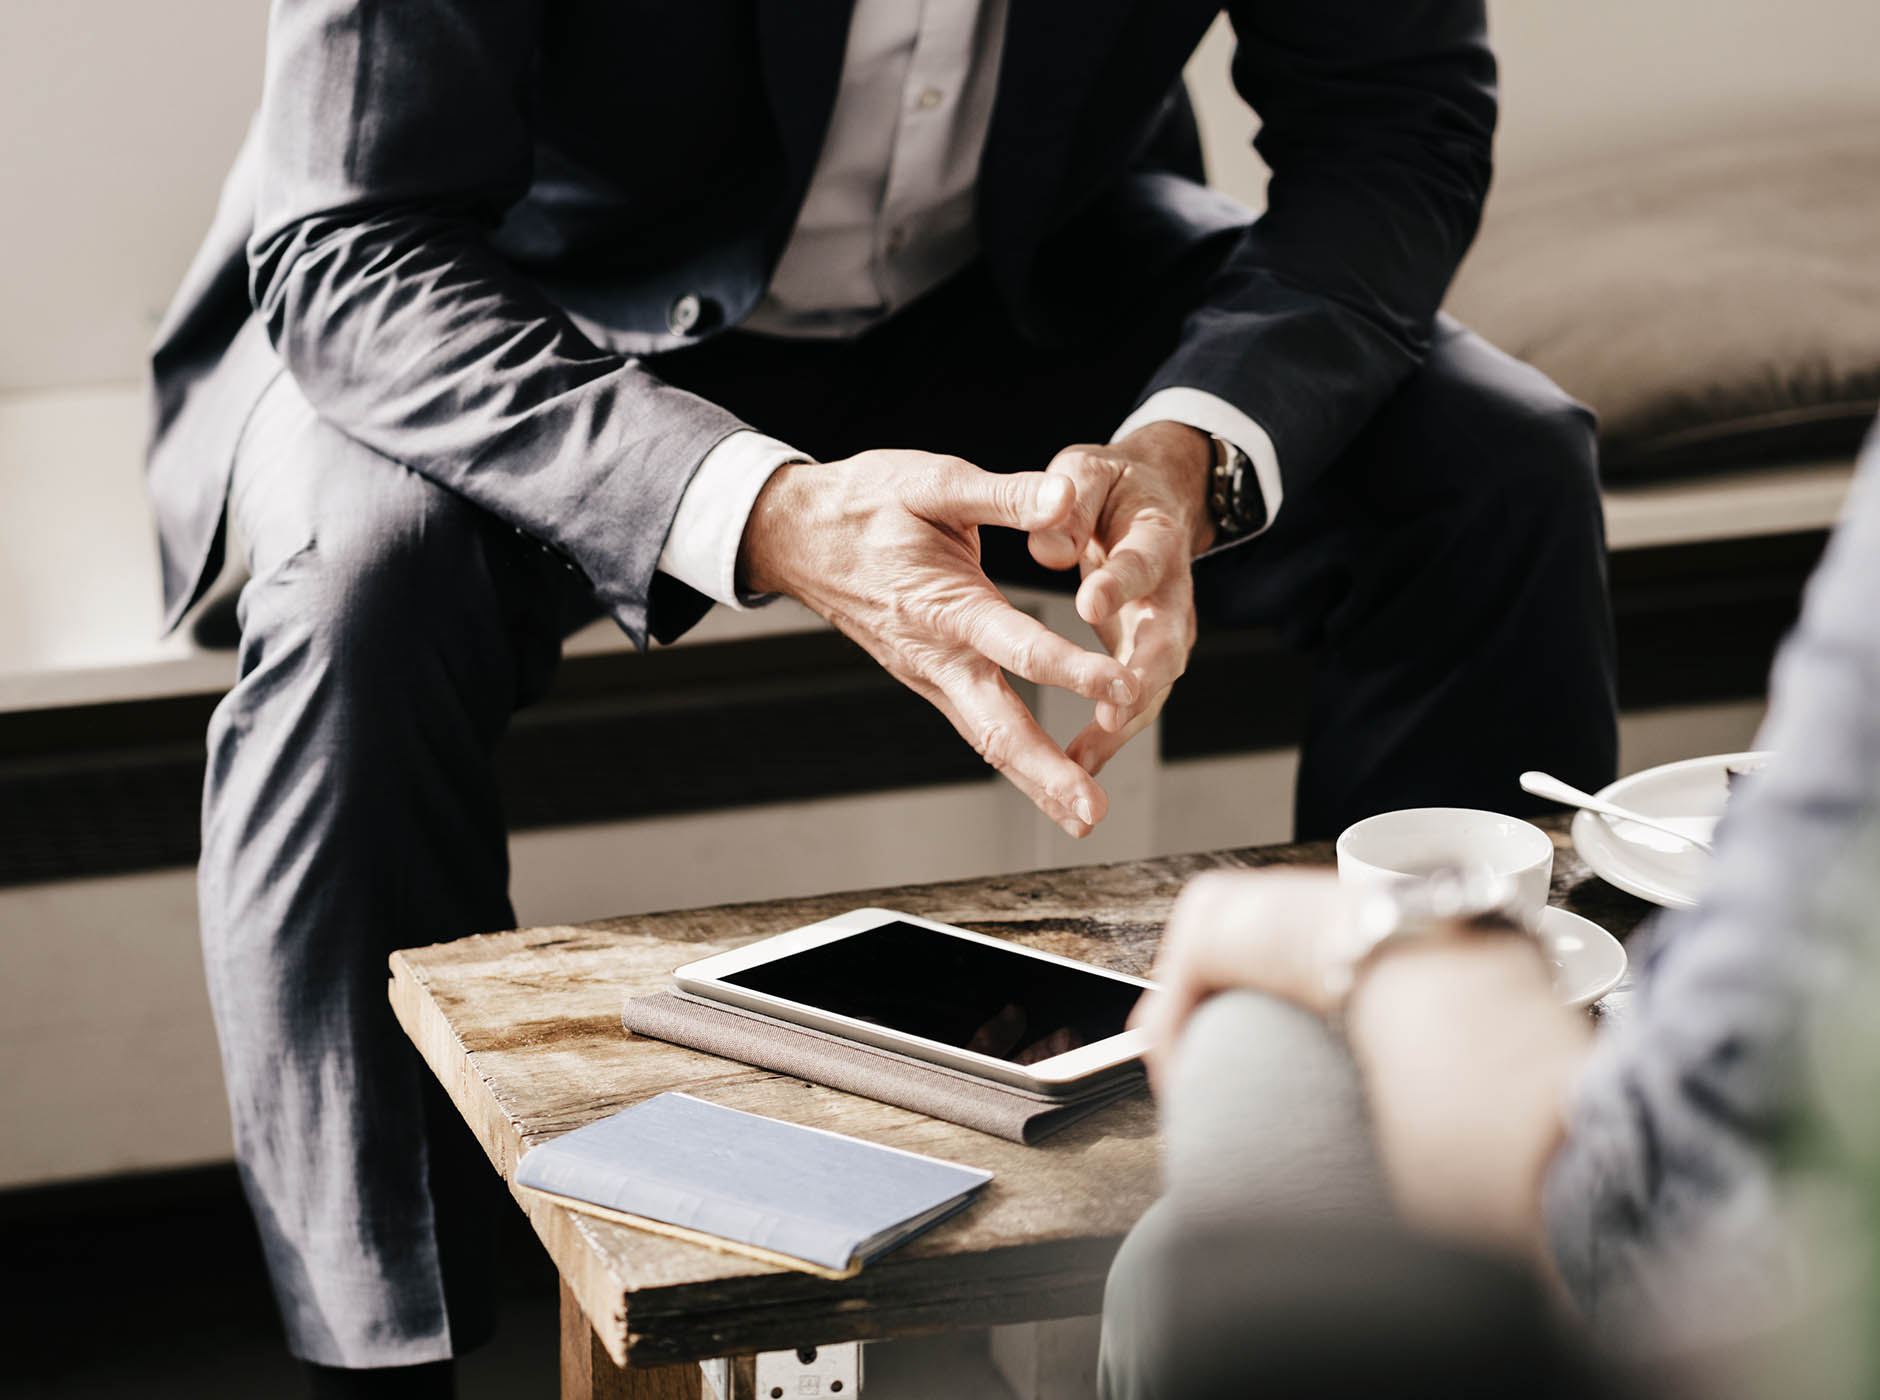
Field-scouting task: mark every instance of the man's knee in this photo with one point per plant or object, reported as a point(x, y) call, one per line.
point(374, 580)
point(356, 562)
point(1548, 455)
point(381, 587)
point(1505, 435)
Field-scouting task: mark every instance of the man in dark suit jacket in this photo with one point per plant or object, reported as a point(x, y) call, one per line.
point(514, 310)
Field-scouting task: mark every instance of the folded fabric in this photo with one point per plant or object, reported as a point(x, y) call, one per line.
point(1017, 1115)
point(1716, 303)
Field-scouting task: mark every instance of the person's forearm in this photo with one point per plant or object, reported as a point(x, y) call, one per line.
point(413, 338)
point(373, 270)
point(1466, 1053)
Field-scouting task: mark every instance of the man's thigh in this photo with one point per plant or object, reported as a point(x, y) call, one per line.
point(364, 552)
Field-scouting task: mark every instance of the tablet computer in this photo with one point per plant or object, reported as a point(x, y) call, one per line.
point(952, 997)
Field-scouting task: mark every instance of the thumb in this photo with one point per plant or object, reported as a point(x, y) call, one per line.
point(1021, 501)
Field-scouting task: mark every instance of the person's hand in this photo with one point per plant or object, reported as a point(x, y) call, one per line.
point(885, 545)
point(1267, 931)
point(1140, 519)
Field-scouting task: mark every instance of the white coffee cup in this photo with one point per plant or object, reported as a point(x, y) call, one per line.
point(1397, 848)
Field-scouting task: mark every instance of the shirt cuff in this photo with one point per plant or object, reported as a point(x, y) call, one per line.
point(1218, 418)
point(701, 548)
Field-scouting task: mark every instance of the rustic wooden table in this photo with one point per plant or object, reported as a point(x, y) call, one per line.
point(523, 1029)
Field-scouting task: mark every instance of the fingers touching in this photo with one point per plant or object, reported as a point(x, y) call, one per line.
point(1091, 476)
point(1147, 558)
point(958, 493)
point(1097, 744)
point(1019, 643)
point(989, 715)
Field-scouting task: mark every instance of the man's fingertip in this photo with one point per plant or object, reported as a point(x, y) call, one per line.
point(1053, 548)
point(1054, 496)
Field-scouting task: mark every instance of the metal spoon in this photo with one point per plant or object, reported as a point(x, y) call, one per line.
point(1684, 828)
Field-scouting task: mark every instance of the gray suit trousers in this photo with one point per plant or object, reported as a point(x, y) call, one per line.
point(389, 627)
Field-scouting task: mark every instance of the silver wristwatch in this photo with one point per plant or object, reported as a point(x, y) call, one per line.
point(1436, 904)
point(1235, 504)
point(1234, 500)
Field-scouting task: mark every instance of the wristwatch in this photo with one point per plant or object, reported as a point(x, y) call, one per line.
point(1439, 904)
point(1234, 501)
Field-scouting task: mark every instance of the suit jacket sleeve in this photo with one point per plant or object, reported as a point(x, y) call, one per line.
point(1376, 122)
point(394, 136)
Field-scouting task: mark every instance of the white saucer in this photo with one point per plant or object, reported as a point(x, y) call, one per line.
point(1647, 863)
point(1588, 961)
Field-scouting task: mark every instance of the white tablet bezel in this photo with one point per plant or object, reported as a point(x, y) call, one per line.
point(1055, 1076)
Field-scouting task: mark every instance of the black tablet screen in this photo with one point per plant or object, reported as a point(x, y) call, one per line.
point(972, 995)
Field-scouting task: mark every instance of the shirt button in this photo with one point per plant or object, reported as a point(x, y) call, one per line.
point(897, 239)
point(683, 314)
point(930, 98)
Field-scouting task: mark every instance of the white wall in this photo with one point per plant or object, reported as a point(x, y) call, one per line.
point(117, 121)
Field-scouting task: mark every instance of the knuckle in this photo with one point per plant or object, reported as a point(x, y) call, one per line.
point(994, 744)
point(1077, 461)
point(907, 657)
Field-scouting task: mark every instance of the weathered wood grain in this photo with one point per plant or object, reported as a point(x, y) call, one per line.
point(523, 1030)
point(589, 1373)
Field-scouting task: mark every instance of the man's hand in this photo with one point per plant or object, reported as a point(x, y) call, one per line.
point(885, 545)
point(1140, 519)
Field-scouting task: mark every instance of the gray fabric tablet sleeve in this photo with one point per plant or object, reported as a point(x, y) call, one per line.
point(750, 1038)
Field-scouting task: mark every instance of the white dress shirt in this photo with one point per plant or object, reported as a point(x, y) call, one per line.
point(889, 215)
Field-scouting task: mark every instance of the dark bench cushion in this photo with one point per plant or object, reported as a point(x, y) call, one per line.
point(1717, 303)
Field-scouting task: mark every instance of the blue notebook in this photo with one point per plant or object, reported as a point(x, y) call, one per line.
point(800, 1197)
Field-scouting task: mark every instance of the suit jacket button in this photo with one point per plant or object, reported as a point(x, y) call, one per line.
point(682, 317)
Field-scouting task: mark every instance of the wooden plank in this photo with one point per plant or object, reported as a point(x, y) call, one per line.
point(522, 1028)
point(589, 1373)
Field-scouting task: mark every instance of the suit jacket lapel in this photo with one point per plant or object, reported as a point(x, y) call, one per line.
point(801, 44)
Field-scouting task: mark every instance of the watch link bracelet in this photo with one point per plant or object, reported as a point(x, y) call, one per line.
point(1234, 500)
point(1444, 902)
